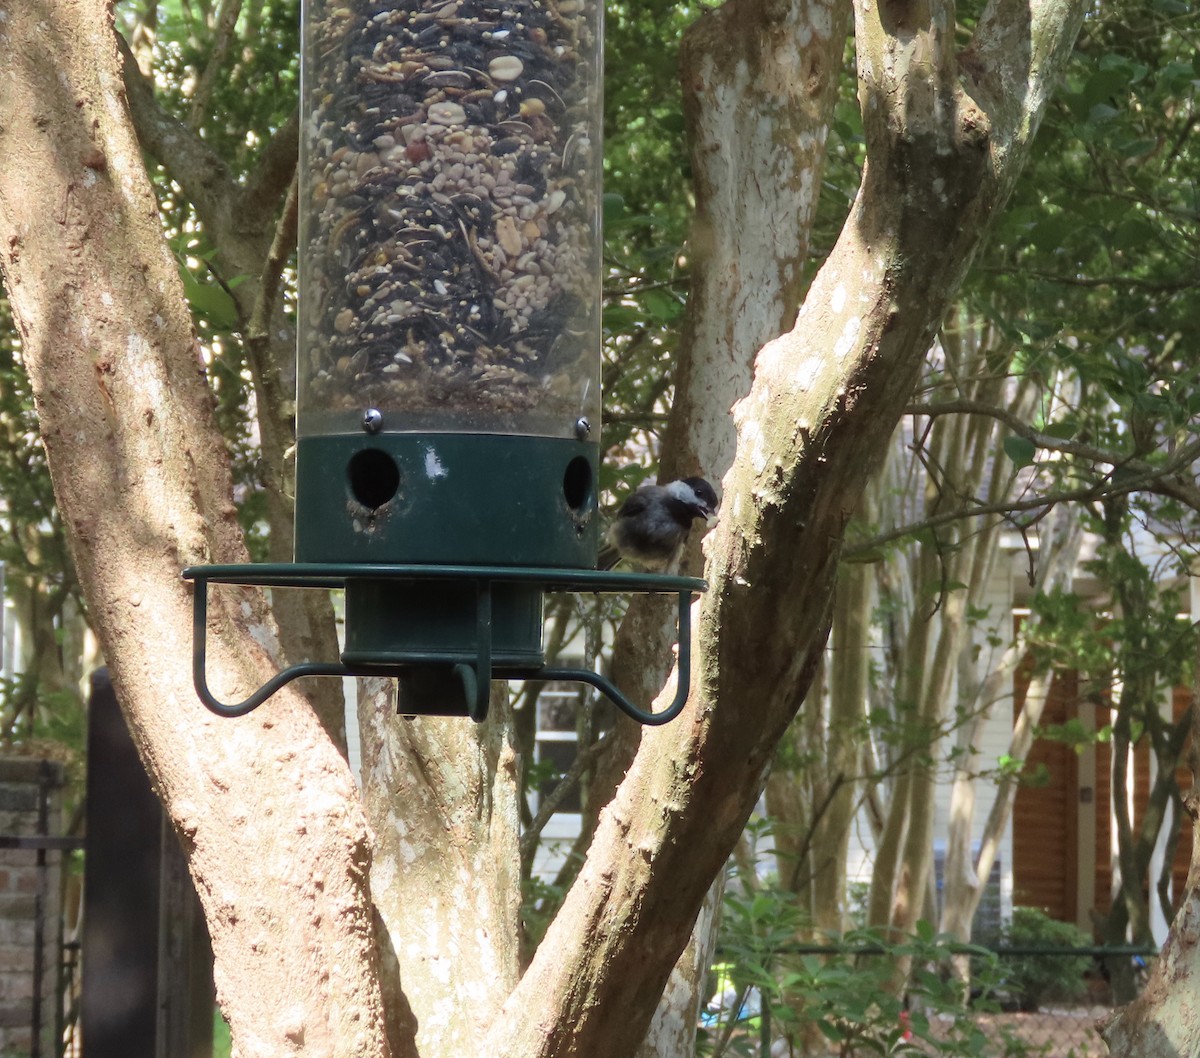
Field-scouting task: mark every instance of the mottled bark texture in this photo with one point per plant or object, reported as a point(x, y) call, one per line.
point(759, 80)
point(1163, 1022)
point(265, 806)
point(441, 797)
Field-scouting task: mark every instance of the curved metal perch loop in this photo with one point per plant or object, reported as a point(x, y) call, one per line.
point(473, 672)
point(280, 679)
point(610, 691)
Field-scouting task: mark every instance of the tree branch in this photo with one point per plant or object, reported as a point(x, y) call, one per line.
point(1171, 480)
point(274, 172)
point(1094, 282)
point(229, 211)
point(272, 274)
point(1049, 441)
point(227, 16)
point(186, 158)
point(1016, 424)
point(549, 804)
point(1005, 509)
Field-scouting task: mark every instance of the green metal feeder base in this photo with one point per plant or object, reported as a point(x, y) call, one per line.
point(429, 498)
point(443, 631)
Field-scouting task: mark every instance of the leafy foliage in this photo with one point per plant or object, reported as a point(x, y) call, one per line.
point(1092, 269)
point(647, 207)
point(1034, 978)
point(769, 987)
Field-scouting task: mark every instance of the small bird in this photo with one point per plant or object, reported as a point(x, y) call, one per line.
point(652, 525)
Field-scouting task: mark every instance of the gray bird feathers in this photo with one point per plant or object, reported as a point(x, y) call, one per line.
point(652, 525)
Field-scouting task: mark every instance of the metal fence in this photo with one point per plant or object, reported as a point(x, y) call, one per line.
point(1062, 997)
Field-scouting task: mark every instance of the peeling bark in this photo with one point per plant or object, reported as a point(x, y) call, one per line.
point(672, 1033)
point(759, 82)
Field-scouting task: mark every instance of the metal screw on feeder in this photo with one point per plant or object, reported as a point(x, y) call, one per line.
point(449, 346)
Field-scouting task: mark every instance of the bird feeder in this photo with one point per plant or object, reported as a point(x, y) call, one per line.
point(448, 375)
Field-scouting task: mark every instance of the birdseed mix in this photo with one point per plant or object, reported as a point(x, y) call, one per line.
point(449, 242)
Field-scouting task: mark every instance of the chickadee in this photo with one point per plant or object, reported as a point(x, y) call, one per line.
point(652, 525)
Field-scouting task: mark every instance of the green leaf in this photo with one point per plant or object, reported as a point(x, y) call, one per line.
point(831, 1032)
point(933, 588)
point(662, 305)
point(620, 319)
point(1064, 430)
point(1020, 450)
point(1176, 75)
point(209, 301)
point(1134, 232)
point(1135, 148)
point(613, 206)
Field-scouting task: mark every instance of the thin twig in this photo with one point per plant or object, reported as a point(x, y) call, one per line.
point(282, 246)
point(549, 804)
point(227, 17)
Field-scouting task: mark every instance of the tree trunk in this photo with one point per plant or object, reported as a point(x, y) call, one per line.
point(814, 781)
point(265, 805)
point(966, 872)
point(441, 797)
point(818, 417)
point(240, 219)
point(1163, 1022)
point(672, 1032)
point(759, 80)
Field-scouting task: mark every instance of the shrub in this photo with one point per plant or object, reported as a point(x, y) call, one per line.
point(775, 996)
point(1033, 980)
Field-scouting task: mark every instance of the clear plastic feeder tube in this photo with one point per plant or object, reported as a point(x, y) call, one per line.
point(449, 215)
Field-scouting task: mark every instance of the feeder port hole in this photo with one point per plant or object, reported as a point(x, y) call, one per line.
point(374, 477)
point(578, 484)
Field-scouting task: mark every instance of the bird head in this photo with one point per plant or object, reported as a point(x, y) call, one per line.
point(699, 495)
